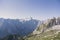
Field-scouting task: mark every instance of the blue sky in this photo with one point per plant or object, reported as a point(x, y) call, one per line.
point(38, 9)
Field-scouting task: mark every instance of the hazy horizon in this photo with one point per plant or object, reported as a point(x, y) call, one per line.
point(37, 9)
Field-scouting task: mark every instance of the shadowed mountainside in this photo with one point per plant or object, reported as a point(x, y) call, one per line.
point(17, 27)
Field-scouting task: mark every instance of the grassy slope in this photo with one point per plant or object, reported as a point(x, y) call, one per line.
point(48, 35)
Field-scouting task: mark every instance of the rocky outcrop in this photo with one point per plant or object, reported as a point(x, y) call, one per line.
point(52, 22)
point(58, 20)
point(48, 30)
point(48, 24)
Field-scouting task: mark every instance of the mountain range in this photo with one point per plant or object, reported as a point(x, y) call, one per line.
point(34, 29)
point(17, 27)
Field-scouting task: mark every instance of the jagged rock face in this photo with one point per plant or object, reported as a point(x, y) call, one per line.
point(58, 20)
point(50, 23)
point(53, 21)
point(50, 29)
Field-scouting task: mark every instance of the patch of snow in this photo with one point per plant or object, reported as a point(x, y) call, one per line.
point(57, 27)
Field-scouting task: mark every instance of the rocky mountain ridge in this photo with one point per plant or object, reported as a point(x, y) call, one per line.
point(48, 30)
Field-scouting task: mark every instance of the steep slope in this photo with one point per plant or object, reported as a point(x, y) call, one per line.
point(16, 26)
point(49, 30)
point(49, 34)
